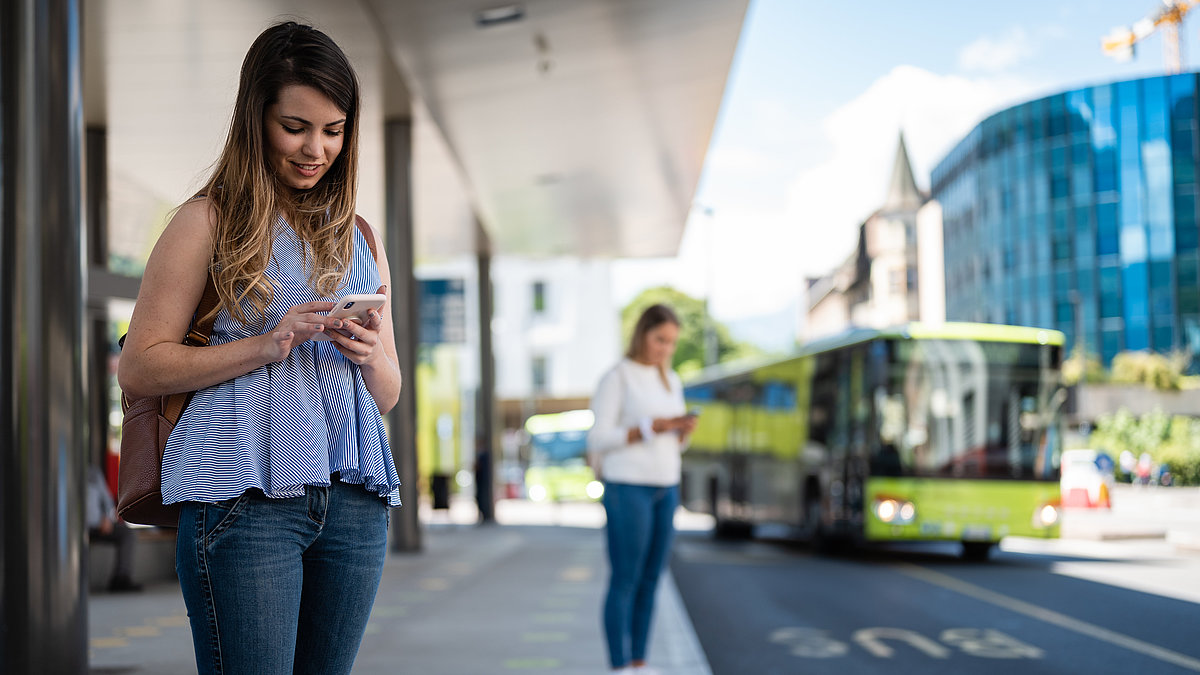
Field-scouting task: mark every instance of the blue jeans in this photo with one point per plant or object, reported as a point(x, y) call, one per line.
point(640, 529)
point(281, 586)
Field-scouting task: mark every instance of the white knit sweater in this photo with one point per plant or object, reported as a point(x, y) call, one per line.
point(627, 394)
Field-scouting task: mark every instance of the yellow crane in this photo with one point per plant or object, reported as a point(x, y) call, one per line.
point(1168, 18)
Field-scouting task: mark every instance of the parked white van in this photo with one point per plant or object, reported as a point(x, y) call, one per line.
point(1083, 484)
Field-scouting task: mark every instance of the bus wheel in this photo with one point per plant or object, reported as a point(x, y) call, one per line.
point(724, 528)
point(976, 550)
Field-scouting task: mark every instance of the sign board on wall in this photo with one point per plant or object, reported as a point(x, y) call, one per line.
point(443, 311)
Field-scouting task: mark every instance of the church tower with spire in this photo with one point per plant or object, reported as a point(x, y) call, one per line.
point(878, 286)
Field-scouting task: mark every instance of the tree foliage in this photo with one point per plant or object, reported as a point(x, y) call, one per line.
point(689, 352)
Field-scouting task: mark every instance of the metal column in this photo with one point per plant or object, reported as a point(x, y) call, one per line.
point(43, 416)
point(406, 528)
point(485, 416)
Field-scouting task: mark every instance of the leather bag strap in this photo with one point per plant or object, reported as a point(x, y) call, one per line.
point(202, 323)
point(367, 234)
point(202, 326)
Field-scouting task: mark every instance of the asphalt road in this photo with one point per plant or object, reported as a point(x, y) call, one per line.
point(1036, 607)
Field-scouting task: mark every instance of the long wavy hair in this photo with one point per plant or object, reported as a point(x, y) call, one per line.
point(245, 193)
point(652, 317)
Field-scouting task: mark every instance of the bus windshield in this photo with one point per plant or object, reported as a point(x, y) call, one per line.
point(559, 438)
point(961, 408)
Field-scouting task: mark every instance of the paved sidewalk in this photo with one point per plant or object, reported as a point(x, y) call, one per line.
point(1141, 512)
point(522, 597)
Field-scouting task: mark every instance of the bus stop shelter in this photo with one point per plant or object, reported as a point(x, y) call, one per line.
point(564, 128)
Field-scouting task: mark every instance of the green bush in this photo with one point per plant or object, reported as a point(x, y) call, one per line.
point(1173, 441)
point(1149, 368)
point(1181, 451)
point(1083, 367)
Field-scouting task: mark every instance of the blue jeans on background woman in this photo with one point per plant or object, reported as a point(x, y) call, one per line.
point(281, 586)
point(640, 530)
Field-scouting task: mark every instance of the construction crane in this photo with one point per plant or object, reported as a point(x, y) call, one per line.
point(1119, 43)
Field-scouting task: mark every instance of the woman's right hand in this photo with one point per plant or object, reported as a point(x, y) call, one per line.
point(684, 424)
point(299, 324)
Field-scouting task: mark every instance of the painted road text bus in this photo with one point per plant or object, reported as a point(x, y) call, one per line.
point(924, 432)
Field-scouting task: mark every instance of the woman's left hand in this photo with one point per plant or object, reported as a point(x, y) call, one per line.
point(359, 342)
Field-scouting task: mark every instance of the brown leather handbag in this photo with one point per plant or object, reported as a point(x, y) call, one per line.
point(147, 423)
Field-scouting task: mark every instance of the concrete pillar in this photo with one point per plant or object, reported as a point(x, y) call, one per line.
point(43, 340)
point(406, 528)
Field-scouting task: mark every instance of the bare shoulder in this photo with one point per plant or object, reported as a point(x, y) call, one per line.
point(195, 217)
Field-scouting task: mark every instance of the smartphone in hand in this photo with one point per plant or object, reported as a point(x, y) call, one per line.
point(353, 307)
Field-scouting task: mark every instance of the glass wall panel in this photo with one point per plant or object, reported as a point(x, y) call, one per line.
point(1110, 343)
point(1104, 140)
point(1056, 119)
point(1110, 292)
point(1106, 229)
point(1079, 110)
point(1091, 190)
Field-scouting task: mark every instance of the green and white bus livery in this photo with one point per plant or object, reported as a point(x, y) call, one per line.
point(946, 432)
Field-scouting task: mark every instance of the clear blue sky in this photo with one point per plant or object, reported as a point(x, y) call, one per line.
point(816, 98)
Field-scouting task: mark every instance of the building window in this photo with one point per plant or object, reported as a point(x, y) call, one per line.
point(539, 297)
point(540, 374)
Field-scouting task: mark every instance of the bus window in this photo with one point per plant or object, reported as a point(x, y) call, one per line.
point(824, 392)
point(967, 409)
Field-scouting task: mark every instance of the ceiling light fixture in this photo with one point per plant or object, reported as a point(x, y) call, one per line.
point(494, 16)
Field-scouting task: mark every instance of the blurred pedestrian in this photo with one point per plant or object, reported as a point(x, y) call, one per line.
point(104, 525)
point(280, 463)
point(639, 432)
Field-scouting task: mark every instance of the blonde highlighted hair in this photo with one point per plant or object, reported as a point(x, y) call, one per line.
point(246, 196)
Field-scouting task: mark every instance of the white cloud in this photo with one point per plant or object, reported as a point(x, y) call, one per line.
point(829, 200)
point(995, 54)
point(740, 159)
point(742, 258)
point(759, 252)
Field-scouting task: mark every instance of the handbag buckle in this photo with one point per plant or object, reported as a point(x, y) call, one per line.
point(195, 339)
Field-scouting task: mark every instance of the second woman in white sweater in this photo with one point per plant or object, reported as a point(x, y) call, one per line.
point(640, 430)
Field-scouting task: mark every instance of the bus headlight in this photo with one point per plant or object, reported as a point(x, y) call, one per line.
point(537, 492)
point(595, 489)
point(1046, 516)
point(895, 511)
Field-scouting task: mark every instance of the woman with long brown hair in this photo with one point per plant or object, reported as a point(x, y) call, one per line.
point(280, 463)
point(640, 429)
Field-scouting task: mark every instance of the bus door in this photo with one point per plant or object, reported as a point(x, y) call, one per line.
point(861, 435)
point(832, 412)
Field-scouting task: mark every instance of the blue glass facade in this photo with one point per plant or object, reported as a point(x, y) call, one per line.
point(1078, 211)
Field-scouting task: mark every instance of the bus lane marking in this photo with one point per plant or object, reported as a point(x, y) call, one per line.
point(812, 643)
point(1049, 616)
point(871, 639)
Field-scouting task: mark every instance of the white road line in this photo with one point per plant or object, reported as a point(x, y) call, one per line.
point(1050, 616)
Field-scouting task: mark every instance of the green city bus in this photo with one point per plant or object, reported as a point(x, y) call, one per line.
point(558, 469)
point(923, 432)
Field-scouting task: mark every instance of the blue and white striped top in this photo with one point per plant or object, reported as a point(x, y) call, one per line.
point(289, 424)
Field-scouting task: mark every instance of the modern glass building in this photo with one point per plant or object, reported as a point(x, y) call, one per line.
point(1078, 212)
